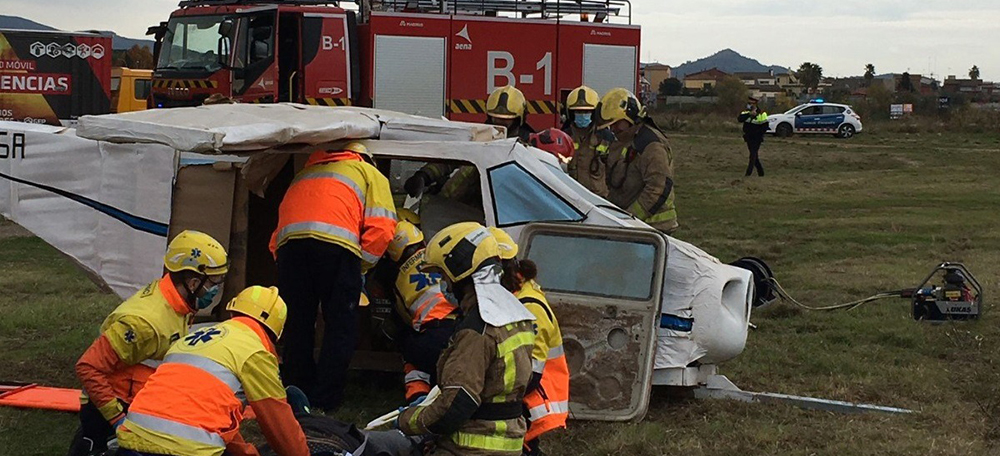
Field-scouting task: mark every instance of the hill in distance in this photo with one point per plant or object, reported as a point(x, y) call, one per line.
point(726, 60)
point(118, 42)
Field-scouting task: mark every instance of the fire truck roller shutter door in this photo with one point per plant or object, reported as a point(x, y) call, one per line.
point(606, 67)
point(410, 74)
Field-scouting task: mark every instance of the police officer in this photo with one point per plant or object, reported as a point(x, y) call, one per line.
point(193, 404)
point(419, 300)
point(484, 372)
point(137, 334)
point(640, 163)
point(754, 122)
point(547, 403)
point(588, 165)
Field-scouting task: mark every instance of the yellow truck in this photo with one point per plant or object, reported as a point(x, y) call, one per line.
point(130, 89)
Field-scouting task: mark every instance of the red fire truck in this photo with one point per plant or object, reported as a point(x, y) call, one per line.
point(428, 57)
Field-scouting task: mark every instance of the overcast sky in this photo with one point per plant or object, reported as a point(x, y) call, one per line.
point(922, 36)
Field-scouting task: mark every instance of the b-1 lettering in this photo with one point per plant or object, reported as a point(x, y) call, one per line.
point(329, 44)
point(500, 65)
point(11, 144)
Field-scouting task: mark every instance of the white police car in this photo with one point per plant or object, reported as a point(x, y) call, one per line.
point(816, 117)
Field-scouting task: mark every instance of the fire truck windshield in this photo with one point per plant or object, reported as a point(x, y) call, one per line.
point(190, 44)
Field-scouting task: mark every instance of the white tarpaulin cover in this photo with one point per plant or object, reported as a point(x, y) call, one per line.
point(105, 205)
point(244, 128)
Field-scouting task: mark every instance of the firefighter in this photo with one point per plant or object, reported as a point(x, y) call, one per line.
point(588, 166)
point(755, 125)
point(507, 107)
point(546, 404)
point(640, 173)
point(419, 300)
point(193, 403)
point(484, 372)
point(334, 223)
point(137, 334)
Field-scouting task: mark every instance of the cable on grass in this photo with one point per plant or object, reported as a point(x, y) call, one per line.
point(847, 305)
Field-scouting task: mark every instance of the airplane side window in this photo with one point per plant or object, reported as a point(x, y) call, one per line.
point(519, 197)
point(594, 266)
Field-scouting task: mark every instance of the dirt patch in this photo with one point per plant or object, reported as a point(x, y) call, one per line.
point(9, 229)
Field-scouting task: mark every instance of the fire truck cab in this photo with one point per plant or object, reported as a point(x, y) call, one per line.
point(427, 57)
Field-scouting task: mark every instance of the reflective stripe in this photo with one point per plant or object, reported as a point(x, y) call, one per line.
point(514, 342)
point(154, 363)
point(318, 227)
point(369, 258)
point(506, 350)
point(426, 302)
point(374, 212)
point(639, 212)
point(555, 352)
point(175, 429)
point(552, 408)
point(332, 175)
point(487, 442)
point(417, 376)
point(537, 366)
point(215, 369)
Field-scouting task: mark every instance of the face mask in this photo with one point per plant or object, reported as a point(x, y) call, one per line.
point(582, 120)
point(206, 299)
point(448, 294)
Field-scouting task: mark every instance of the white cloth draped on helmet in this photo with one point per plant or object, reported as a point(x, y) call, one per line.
point(497, 306)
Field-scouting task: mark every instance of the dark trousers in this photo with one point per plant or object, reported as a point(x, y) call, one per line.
point(314, 274)
point(422, 349)
point(531, 448)
point(754, 147)
point(94, 432)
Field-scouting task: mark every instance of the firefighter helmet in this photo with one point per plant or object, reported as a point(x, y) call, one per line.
point(460, 249)
point(506, 103)
point(406, 235)
point(197, 252)
point(619, 104)
point(582, 98)
point(508, 248)
point(261, 304)
point(403, 213)
point(555, 142)
point(360, 149)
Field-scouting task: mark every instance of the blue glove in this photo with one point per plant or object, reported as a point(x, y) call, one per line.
point(119, 423)
point(418, 400)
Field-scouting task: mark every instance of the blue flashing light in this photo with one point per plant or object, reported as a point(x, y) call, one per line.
point(159, 105)
point(818, 100)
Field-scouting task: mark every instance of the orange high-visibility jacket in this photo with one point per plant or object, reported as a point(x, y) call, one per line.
point(418, 294)
point(191, 404)
point(341, 199)
point(134, 337)
point(548, 406)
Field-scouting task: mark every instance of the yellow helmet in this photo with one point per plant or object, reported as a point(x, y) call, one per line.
point(198, 252)
point(261, 304)
point(582, 98)
point(461, 249)
point(506, 244)
point(506, 103)
point(403, 213)
point(619, 104)
point(360, 149)
point(407, 234)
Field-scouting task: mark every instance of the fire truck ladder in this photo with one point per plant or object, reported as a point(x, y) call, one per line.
point(190, 3)
point(600, 9)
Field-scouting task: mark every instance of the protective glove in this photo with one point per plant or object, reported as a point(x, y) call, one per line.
point(416, 184)
point(119, 421)
point(395, 422)
point(415, 402)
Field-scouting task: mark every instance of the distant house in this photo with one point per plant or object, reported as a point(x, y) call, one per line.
point(786, 79)
point(765, 91)
point(656, 73)
point(894, 82)
point(973, 88)
point(766, 78)
point(701, 80)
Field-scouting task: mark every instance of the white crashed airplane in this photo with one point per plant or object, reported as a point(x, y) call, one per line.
point(636, 307)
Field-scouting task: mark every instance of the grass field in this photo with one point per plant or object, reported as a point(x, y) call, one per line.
point(836, 220)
